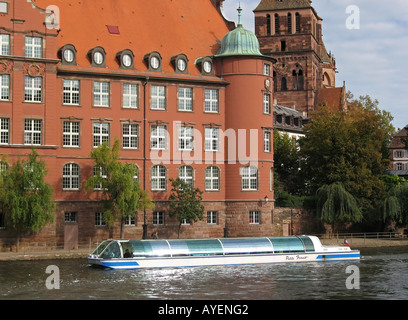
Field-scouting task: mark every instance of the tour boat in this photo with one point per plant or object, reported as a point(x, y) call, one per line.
point(138, 254)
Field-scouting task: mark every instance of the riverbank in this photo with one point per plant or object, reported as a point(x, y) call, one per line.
point(46, 255)
point(358, 243)
point(355, 243)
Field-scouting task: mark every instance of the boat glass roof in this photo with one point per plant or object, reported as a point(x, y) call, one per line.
point(148, 248)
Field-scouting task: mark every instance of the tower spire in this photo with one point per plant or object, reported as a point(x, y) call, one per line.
point(239, 15)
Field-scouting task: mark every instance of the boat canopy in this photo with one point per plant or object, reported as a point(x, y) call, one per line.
point(203, 247)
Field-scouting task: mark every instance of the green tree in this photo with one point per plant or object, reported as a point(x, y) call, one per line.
point(121, 195)
point(347, 147)
point(185, 202)
point(335, 205)
point(286, 158)
point(26, 199)
point(395, 205)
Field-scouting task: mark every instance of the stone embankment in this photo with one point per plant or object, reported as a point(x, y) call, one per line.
point(358, 243)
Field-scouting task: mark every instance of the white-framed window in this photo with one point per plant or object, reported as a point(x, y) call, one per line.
point(212, 217)
point(249, 177)
point(267, 141)
point(186, 174)
point(4, 44)
point(100, 133)
point(3, 7)
point(254, 217)
point(130, 95)
point(399, 154)
point(211, 100)
point(185, 138)
point(130, 136)
point(32, 132)
point(185, 99)
point(212, 178)
point(33, 47)
point(33, 89)
point(4, 130)
point(5, 87)
point(267, 103)
point(211, 139)
point(158, 139)
point(101, 94)
point(99, 222)
point(130, 221)
point(102, 172)
point(399, 166)
point(267, 69)
point(70, 135)
point(70, 177)
point(158, 218)
point(71, 92)
point(159, 176)
point(158, 97)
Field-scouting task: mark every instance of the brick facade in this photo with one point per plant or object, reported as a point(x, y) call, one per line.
point(228, 96)
point(291, 32)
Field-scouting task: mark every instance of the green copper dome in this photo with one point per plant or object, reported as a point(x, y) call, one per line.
point(239, 42)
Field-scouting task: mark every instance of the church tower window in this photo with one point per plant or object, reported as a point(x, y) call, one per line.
point(284, 84)
point(268, 25)
point(289, 23)
point(277, 24)
point(297, 22)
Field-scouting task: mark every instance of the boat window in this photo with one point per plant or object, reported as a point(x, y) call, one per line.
point(160, 248)
point(101, 247)
point(287, 244)
point(127, 250)
point(308, 243)
point(150, 248)
point(112, 251)
point(211, 246)
point(179, 248)
point(232, 246)
point(195, 247)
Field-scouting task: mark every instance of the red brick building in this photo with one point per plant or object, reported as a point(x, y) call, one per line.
point(291, 32)
point(169, 81)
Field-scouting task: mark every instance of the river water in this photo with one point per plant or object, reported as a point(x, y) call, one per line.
point(381, 274)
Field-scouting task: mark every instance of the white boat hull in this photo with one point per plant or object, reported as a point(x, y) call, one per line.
point(197, 261)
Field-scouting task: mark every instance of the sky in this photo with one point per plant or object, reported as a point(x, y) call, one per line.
point(370, 51)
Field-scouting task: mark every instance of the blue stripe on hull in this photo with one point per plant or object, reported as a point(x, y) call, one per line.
point(338, 256)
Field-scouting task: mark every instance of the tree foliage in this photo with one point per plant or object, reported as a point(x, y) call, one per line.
point(395, 205)
point(121, 195)
point(347, 147)
point(286, 158)
point(336, 205)
point(26, 198)
point(185, 202)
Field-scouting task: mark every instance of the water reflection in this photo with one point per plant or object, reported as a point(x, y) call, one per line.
point(383, 276)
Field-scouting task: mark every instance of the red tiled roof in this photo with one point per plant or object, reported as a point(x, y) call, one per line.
point(170, 27)
point(332, 98)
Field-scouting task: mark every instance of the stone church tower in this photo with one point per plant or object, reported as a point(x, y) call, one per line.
point(291, 32)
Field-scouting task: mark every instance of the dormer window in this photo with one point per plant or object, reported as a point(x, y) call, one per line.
point(206, 66)
point(180, 63)
point(153, 61)
point(68, 54)
point(97, 57)
point(126, 59)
